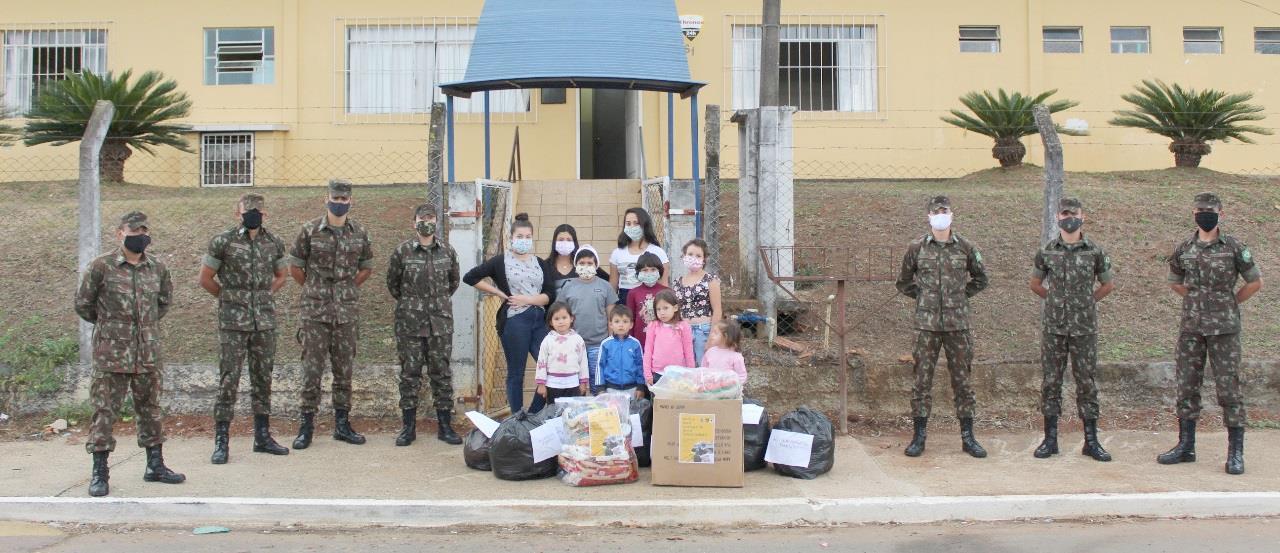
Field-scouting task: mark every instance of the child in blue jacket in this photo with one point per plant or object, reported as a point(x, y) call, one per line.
point(621, 361)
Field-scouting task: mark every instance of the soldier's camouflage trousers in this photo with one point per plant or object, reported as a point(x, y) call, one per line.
point(1083, 351)
point(434, 352)
point(106, 393)
point(1224, 354)
point(332, 344)
point(260, 348)
point(959, 349)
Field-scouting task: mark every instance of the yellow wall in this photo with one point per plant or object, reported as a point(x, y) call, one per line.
point(924, 74)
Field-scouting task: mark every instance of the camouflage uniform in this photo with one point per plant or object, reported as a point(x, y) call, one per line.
point(941, 277)
point(331, 257)
point(1210, 321)
point(422, 279)
point(245, 268)
point(1070, 320)
point(125, 303)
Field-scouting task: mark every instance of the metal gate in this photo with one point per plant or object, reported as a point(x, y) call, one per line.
point(497, 199)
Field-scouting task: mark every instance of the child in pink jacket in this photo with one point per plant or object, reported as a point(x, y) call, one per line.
point(722, 350)
point(668, 340)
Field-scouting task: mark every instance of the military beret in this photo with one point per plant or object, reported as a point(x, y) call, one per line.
point(134, 220)
point(340, 187)
point(1208, 200)
point(1070, 204)
point(938, 202)
point(250, 202)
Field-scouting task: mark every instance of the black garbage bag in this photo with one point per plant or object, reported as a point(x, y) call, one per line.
point(807, 421)
point(645, 408)
point(511, 449)
point(475, 450)
point(755, 439)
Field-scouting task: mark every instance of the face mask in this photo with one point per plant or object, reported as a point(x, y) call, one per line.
point(252, 219)
point(940, 221)
point(564, 247)
point(693, 263)
point(633, 233)
point(338, 209)
point(586, 272)
point(1207, 220)
point(137, 243)
point(522, 245)
point(648, 279)
point(426, 228)
point(1070, 224)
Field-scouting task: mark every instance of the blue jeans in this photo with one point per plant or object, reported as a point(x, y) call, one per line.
point(593, 369)
point(622, 295)
point(522, 336)
point(701, 332)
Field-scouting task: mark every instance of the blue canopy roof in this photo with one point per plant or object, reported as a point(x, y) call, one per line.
point(628, 44)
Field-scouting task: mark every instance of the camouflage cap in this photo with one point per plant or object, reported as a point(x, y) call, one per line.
point(1070, 204)
point(1208, 200)
point(938, 202)
point(250, 202)
point(340, 187)
point(425, 211)
point(134, 220)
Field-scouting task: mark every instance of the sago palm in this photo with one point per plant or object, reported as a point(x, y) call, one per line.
point(1191, 118)
point(1006, 118)
point(144, 110)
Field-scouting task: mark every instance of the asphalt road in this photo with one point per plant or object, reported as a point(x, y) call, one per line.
point(1130, 536)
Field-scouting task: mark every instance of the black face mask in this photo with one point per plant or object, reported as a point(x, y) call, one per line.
point(1070, 224)
point(252, 219)
point(137, 243)
point(338, 209)
point(1207, 220)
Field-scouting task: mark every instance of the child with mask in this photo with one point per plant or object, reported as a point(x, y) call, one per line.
point(640, 299)
point(588, 298)
point(699, 293)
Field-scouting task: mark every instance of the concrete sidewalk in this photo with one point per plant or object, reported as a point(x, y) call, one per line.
point(428, 484)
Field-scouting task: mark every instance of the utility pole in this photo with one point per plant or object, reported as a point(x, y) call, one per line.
point(769, 53)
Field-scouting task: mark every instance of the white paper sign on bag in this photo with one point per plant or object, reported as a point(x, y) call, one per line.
point(751, 413)
point(637, 433)
point(789, 448)
point(546, 440)
point(486, 425)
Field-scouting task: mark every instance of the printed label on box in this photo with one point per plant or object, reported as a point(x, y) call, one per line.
point(697, 438)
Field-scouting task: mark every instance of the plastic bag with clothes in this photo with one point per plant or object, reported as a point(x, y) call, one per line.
point(697, 383)
point(823, 455)
point(597, 450)
point(644, 408)
point(511, 448)
point(755, 439)
point(475, 450)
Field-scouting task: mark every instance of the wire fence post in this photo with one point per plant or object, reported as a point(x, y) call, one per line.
point(90, 235)
point(711, 190)
point(1054, 172)
point(435, 162)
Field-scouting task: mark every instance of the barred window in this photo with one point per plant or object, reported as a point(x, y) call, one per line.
point(226, 159)
point(1266, 40)
point(33, 58)
point(1130, 40)
point(1202, 40)
point(980, 38)
point(239, 56)
point(1063, 40)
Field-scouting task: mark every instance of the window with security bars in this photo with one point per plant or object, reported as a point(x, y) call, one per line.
point(1063, 40)
point(1266, 40)
point(1202, 40)
point(821, 67)
point(226, 159)
point(239, 56)
point(33, 58)
point(980, 38)
point(1130, 40)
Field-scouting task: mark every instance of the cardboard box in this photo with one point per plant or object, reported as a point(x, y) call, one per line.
point(697, 443)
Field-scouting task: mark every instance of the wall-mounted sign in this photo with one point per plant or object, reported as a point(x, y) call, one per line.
point(690, 25)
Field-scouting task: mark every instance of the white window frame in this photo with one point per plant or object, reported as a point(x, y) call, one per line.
point(994, 41)
point(18, 77)
point(263, 70)
point(211, 140)
point(1078, 41)
point(1186, 43)
point(1143, 46)
point(1272, 44)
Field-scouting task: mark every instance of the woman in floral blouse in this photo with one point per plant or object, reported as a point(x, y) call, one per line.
point(699, 293)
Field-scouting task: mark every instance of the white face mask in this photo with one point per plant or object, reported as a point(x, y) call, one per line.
point(940, 221)
point(586, 272)
point(564, 247)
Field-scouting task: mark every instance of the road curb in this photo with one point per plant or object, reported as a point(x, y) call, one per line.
point(714, 512)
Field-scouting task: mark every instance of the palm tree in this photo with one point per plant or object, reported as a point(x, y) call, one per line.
point(144, 110)
point(1191, 118)
point(7, 132)
point(1006, 118)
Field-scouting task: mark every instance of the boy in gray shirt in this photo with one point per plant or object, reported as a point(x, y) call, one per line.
point(589, 299)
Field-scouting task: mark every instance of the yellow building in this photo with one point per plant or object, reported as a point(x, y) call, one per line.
point(294, 91)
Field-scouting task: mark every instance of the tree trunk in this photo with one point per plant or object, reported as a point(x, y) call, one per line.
point(111, 160)
point(1187, 153)
point(1009, 151)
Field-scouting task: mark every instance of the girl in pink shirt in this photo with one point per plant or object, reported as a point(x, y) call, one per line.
point(668, 340)
point(722, 350)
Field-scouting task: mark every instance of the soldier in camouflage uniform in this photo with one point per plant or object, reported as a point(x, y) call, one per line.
point(941, 271)
point(331, 258)
point(1203, 270)
point(1071, 263)
point(244, 268)
point(422, 275)
point(124, 294)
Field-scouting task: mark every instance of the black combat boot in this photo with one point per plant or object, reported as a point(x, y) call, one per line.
point(342, 428)
point(410, 431)
point(1092, 447)
point(1235, 450)
point(157, 472)
point(967, 442)
point(262, 440)
point(916, 447)
point(101, 473)
point(1050, 444)
point(221, 429)
point(445, 431)
point(1185, 451)
point(305, 429)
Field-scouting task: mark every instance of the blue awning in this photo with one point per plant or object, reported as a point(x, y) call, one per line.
point(626, 44)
